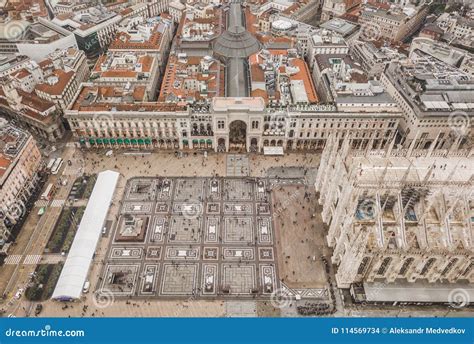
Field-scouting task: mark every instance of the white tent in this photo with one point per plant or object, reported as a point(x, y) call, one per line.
point(76, 267)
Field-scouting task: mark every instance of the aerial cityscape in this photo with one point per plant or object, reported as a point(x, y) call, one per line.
point(231, 158)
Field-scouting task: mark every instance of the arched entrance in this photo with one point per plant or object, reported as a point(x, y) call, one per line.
point(221, 145)
point(237, 135)
point(253, 145)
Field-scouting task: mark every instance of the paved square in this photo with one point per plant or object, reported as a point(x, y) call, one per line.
point(239, 279)
point(189, 189)
point(238, 230)
point(193, 237)
point(184, 230)
point(179, 279)
point(237, 165)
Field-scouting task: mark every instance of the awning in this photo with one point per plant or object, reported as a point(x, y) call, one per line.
point(106, 141)
point(91, 141)
point(209, 141)
point(127, 141)
point(147, 141)
point(185, 142)
point(202, 141)
point(119, 141)
point(140, 141)
point(112, 141)
point(98, 140)
point(134, 142)
point(81, 140)
point(273, 151)
point(415, 291)
point(195, 141)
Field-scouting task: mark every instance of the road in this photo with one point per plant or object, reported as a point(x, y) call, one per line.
point(36, 232)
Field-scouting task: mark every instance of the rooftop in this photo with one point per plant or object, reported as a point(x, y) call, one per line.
point(432, 87)
point(12, 141)
point(272, 71)
point(56, 83)
point(83, 21)
point(94, 98)
point(340, 26)
point(192, 78)
point(147, 34)
point(123, 67)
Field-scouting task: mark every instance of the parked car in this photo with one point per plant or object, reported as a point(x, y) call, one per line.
point(86, 287)
point(19, 293)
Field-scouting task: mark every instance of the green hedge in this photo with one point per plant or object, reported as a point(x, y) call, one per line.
point(43, 283)
point(65, 230)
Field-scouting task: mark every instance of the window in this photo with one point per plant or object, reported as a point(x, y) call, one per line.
point(384, 266)
point(220, 124)
point(255, 124)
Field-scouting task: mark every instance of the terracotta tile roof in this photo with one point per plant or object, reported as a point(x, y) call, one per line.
point(60, 86)
point(5, 162)
point(177, 75)
point(21, 74)
point(45, 63)
point(100, 93)
point(119, 74)
point(260, 93)
point(122, 41)
point(256, 73)
point(305, 75)
point(147, 62)
point(33, 101)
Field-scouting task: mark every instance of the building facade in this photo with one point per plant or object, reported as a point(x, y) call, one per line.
point(20, 162)
point(397, 218)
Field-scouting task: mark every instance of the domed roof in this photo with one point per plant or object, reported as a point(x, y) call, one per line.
point(236, 42)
